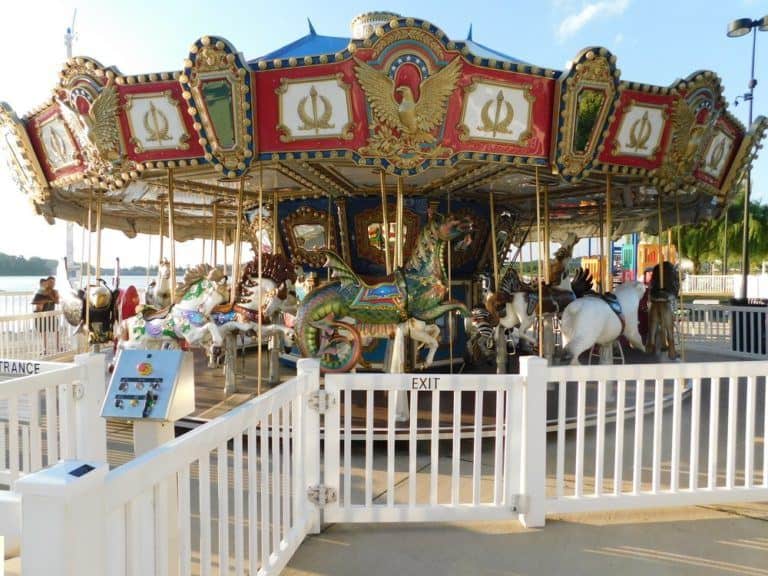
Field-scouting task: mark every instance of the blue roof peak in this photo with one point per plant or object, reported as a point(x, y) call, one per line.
point(311, 28)
point(469, 34)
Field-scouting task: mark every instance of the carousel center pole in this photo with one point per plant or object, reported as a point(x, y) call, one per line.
point(162, 218)
point(329, 225)
point(238, 233)
point(608, 235)
point(385, 222)
point(88, 270)
point(171, 234)
point(601, 261)
point(540, 308)
point(276, 248)
point(547, 271)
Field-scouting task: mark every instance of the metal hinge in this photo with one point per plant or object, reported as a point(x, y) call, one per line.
point(321, 401)
point(320, 495)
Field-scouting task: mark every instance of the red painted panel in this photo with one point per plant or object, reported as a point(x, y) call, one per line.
point(266, 83)
point(625, 100)
point(194, 150)
point(33, 129)
point(724, 124)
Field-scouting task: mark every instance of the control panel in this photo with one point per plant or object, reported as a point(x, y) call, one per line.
point(154, 385)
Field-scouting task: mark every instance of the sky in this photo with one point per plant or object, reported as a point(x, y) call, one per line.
point(655, 42)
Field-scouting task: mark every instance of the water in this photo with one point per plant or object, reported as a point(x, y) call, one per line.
point(31, 283)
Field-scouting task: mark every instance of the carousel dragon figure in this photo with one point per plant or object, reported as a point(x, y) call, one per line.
point(332, 318)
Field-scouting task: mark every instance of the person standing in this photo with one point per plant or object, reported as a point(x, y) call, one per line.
point(45, 300)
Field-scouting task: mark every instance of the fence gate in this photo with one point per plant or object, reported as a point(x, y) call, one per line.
point(458, 467)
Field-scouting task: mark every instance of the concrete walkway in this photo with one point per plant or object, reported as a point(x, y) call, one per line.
point(694, 540)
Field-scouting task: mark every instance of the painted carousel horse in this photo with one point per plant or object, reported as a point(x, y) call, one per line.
point(259, 299)
point(188, 319)
point(597, 319)
point(660, 314)
point(520, 299)
point(98, 307)
point(334, 317)
point(158, 294)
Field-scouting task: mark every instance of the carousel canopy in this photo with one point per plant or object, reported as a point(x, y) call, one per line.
point(326, 117)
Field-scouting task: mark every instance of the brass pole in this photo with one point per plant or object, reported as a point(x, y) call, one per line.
point(88, 268)
point(171, 234)
point(450, 278)
point(238, 233)
point(225, 235)
point(98, 236)
point(259, 264)
point(214, 236)
point(385, 222)
point(541, 291)
point(276, 247)
point(601, 265)
point(162, 217)
point(494, 247)
point(202, 258)
point(608, 234)
point(547, 270)
point(399, 224)
point(661, 252)
point(329, 228)
point(680, 272)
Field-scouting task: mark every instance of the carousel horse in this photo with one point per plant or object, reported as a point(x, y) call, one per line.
point(259, 299)
point(158, 294)
point(597, 319)
point(189, 318)
point(520, 299)
point(98, 305)
point(660, 314)
point(333, 318)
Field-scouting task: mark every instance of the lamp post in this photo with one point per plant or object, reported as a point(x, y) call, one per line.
point(736, 29)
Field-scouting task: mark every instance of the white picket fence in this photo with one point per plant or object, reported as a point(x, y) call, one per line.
point(39, 335)
point(239, 494)
point(738, 331)
point(708, 284)
point(672, 460)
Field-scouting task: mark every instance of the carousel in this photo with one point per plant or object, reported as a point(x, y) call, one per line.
point(387, 183)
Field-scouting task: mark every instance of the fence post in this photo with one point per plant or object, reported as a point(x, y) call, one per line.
point(90, 427)
point(534, 445)
point(310, 369)
point(63, 520)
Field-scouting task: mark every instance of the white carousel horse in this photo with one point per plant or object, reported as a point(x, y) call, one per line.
point(591, 320)
point(159, 290)
point(189, 319)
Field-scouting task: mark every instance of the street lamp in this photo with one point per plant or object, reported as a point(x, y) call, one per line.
point(736, 29)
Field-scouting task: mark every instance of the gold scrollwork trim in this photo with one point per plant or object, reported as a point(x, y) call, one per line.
point(407, 33)
point(345, 133)
point(157, 120)
point(306, 215)
point(522, 140)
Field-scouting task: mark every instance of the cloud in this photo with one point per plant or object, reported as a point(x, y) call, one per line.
point(572, 23)
point(618, 39)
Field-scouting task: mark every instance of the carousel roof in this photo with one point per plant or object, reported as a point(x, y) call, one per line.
point(326, 117)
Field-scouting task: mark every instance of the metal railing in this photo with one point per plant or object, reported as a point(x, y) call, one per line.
point(38, 335)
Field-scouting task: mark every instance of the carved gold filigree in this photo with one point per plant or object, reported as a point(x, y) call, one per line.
point(503, 114)
point(61, 150)
point(407, 33)
point(24, 166)
point(156, 123)
point(591, 74)
point(314, 110)
point(402, 132)
point(744, 155)
point(373, 216)
point(306, 216)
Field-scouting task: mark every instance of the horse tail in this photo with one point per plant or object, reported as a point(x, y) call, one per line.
point(317, 305)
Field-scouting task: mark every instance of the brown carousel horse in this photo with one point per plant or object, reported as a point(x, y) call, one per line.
point(660, 315)
point(259, 299)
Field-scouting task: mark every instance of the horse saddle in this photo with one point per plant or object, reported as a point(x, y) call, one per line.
point(148, 312)
point(383, 295)
point(555, 300)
